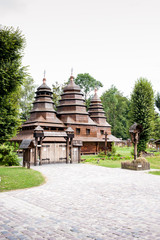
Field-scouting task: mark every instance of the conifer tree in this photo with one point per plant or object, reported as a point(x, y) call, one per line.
point(142, 110)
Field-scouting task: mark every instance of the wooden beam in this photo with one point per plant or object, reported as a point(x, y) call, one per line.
point(105, 143)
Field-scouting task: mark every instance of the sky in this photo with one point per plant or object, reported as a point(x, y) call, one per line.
point(115, 41)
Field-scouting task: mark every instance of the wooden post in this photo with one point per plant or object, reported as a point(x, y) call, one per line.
point(67, 151)
point(35, 153)
point(28, 158)
point(135, 145)
point(71, 150)
point(79, 154)
point(40, 152)
point(24, 158)
point(106, 143)
point(98, 148)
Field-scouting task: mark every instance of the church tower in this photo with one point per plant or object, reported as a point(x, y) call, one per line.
point(72, 111)
point(43, 113)
point(97, 114)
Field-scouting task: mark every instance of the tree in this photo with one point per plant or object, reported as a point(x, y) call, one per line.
point(12, 44)
point(87, 84)
point(156, 126)
point(9, 117)
point(116, 108)
point(12, 73)
point(57, 91)
point(157, 101)
point(142, 110)
point(26, 97)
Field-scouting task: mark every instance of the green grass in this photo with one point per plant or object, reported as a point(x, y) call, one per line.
point(154, 162)
point(122, 154)
point(18, 178)
point(104, 163)
point(124, 151)
point(154, 172)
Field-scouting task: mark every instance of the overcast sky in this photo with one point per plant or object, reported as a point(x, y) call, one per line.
point(115, 41)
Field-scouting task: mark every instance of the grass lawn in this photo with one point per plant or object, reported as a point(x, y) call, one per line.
point(122, 154)
point(18, 178)
point(154, 172)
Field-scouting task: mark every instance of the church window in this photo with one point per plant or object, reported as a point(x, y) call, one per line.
point(77, 131)
point(87, 131)
point(102, 132)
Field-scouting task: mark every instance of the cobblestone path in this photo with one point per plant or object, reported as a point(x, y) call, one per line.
point(82, 201)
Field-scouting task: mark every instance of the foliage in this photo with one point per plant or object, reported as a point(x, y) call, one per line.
point(142, 110)
point(132, 152)
point(123, 153)
point(157, 101)
point(116, 108)
point(19, 178)
point(7, 156)
point(87, 83)
point(9, 117)
point(113, 150)
point(109, 154)
point(156, 126)
point(57, 91)
point(101, 154)
point(12, 44)
point(26, 97)
point(88, 101)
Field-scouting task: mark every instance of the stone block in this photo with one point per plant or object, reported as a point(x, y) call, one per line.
point(134, 165)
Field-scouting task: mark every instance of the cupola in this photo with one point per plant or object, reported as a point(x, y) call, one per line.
point(96, 111)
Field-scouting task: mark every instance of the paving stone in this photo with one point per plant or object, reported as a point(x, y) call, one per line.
point(82, 201)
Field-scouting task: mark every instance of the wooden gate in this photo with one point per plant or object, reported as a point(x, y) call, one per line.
point(75, 155)
point(62, 153)
point(54, 152)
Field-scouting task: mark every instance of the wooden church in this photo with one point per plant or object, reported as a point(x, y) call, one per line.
point(64, 135)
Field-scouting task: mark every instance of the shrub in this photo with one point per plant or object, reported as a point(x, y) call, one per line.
point(109, 154)
point(7, 156)
point(101, 154)
point(113, 151)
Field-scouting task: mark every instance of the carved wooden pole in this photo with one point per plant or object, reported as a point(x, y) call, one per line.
point(135, 145)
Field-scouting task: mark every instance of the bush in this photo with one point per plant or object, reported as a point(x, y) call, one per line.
point(113, 151)
point(7, 156)
point(101, 154)
point(109, 154)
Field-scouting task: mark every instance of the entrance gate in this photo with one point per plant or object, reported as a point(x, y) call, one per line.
point(54, 152)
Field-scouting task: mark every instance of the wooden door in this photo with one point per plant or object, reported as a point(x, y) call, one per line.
point(75, 155)
point(62, 152)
